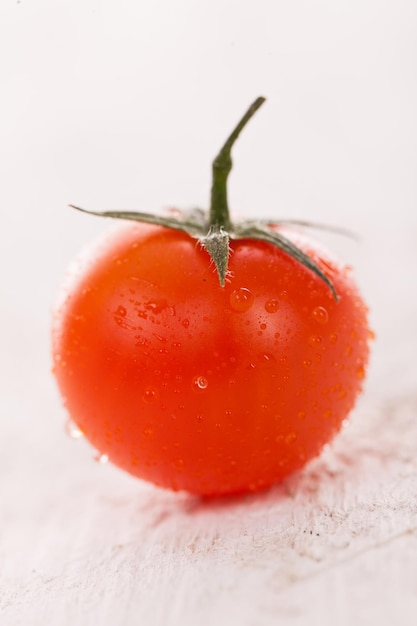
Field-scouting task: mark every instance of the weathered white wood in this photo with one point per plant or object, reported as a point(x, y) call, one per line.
point(82, 543)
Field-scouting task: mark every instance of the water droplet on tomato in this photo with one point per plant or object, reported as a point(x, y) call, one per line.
point(179, 464)
point(121, 311)
point(290, 437)
point(156, 306)
point(241, 299)
point(360, 372)
point(315, 341)
point(72, 430)
point(272, 305)
point(262, 326)
point(150, 395)
point(200, 382)
point(185, 322)
point(307, 363)
point(301, 415)
point(333, 338)
point(160, 338)
point(320, 314)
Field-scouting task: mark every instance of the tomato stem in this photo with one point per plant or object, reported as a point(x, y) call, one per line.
point(219, 216)
point(215, 230)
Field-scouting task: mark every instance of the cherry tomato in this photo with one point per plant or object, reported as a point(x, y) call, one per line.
point(209, 356)
point(195, 386)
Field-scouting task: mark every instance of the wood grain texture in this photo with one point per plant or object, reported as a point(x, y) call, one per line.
point(82, 543)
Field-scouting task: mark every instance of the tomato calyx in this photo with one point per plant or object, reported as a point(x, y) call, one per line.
point(214, 229)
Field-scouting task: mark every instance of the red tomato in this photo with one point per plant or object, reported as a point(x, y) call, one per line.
point(210, 389)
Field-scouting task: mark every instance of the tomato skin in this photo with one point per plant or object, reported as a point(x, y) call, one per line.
point(210, 389)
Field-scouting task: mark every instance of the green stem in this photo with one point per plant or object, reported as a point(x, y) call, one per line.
point(219, 210)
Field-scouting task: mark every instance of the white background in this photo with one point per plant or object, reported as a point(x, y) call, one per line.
point(123, 104)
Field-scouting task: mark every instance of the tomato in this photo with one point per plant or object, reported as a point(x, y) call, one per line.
point(208, 387)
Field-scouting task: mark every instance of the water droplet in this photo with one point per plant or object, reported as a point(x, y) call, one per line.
point(290, 437)
point(148, 432)
point(150, 395)
point(262, 326)
point(241, 299)
point(200, 382)
point(72, 430)
point(301, 415)
point(277, 335)
point(101, 458)
point(156, 306)
point(121, 311)
point(315, 341)
point(272, 305)
point(185, 322)
point(284, 293)
point(333, 338)
point(320, 314)
point(360, 372)
point(307, 363)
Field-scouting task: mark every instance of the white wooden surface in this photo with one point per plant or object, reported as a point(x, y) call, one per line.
point(107, 105)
